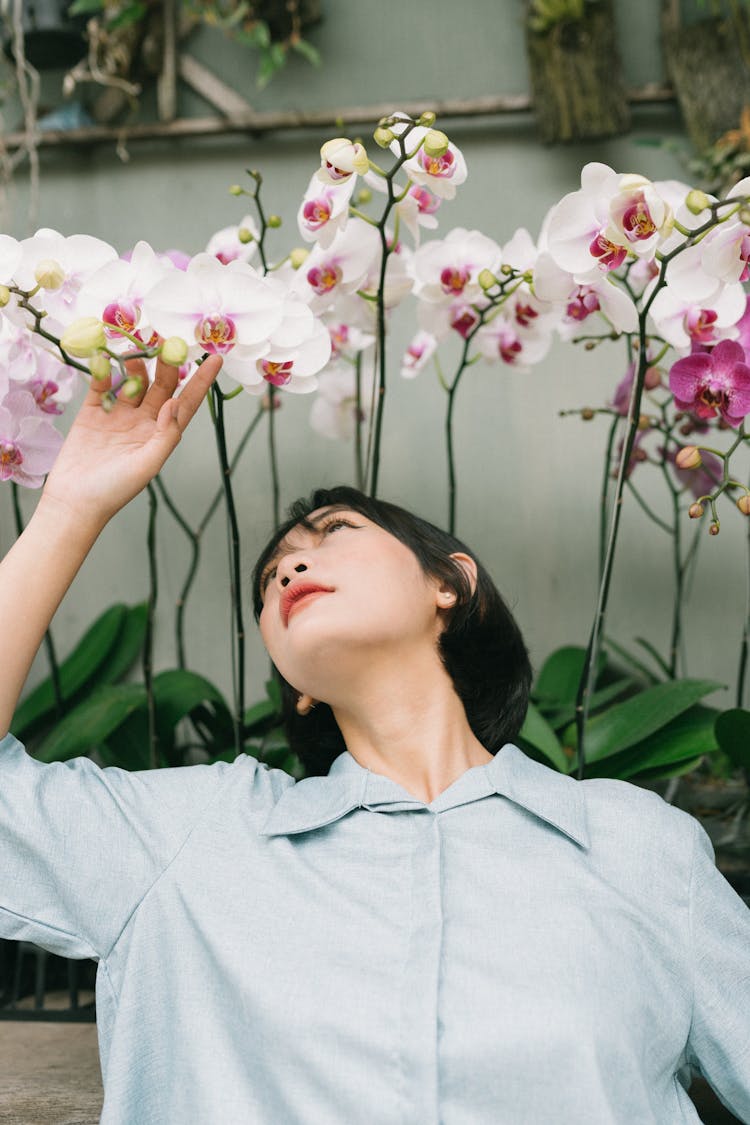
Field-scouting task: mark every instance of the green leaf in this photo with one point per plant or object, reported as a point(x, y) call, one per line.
point(127, 646)
point(560, 675)
point(628, 723)
point(539, 734)
point(258, 716)
point(266, 70)
point(76, 671)
point(133, 13)
point(312, 54)
point(128, 746)
point(560, 717)
point(733, 736)
point(273, 690)
point(631, 660)
point(685, 738)
point(661, 664)
point(176, 693)
point(85, 7)
point(91, 722)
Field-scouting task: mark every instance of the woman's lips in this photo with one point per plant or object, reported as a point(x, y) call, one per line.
point(304, 599)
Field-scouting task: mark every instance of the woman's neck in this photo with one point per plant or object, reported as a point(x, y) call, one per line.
point(408, 723)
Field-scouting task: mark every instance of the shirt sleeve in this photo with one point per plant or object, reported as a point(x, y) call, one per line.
point(719, 1041)
point(80, 845)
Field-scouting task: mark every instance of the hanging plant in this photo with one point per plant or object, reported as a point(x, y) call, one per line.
point(708, 64)
point(127, 40)
point(576, 78)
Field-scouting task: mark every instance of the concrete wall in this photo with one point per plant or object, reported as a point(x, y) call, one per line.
point(528, 480)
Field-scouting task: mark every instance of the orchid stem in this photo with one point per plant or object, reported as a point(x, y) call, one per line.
point(148, 643)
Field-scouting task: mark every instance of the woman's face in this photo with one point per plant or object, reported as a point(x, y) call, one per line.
point(339, 597)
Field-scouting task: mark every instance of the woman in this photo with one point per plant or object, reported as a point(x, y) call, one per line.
point(435, 928)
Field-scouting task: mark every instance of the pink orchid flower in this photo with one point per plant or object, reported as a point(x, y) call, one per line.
point(29, 442)
point(707, 383)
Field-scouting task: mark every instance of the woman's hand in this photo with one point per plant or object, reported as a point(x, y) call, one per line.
point(108, 457)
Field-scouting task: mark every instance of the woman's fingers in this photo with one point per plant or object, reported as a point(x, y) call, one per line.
point(163, 387)
point(131, 394)
point(196, 389)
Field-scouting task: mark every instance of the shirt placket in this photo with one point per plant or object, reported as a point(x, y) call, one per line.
point(421, 976)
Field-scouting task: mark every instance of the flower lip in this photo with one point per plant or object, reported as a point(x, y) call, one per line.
point(296, 591)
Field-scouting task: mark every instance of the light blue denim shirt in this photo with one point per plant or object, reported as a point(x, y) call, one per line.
point(527, 949)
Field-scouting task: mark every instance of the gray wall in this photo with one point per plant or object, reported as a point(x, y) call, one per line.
point(528, 480)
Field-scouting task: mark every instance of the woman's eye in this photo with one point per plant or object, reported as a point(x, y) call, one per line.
point(267, 578)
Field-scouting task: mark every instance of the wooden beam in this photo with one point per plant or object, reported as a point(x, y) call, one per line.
point(209, 86)
point(280, 121)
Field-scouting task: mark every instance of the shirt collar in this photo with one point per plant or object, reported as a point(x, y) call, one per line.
point(314, 802)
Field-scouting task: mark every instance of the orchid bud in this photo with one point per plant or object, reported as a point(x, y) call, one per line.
point(697, 201)
point(486, 279)
point(695, 511)
point(644, 422)
point(744, 215)
point(689, 457)
point(744, 504)
point(274, 221)
point(84, 337)
point(587, 413)
point(49, 274)
point(100, 366)
point(652, 378)
point(132, 387)
point(383, 137)
point(297, 256)
point(4, 296)
point(236, 189)
point(364, 195)
point(174, 351)
point(714, 528)
point(427, 119)
point(245, 235)
point(435, 143)
point(340, 157)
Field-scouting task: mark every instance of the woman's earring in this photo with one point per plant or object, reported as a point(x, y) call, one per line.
point(305, 704)
point(448, 598)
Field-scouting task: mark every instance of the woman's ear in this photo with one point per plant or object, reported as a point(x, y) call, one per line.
point(446, 596)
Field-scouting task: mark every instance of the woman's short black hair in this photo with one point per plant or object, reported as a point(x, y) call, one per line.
point(481, 645)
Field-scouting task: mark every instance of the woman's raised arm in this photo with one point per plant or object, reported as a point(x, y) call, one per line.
point(106, 460)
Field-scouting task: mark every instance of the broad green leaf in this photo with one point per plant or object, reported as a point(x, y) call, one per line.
point(627, 723)
point(91, 722)
point(666, 771)
point(561, 674)
point(733, 736)
point(685, 738)
point(258, 717)
point(127, 746)
point(560, 717)
point(273, 690)
point(76, 671)
point(127, 646)
point(177, 692)
point(539, 734)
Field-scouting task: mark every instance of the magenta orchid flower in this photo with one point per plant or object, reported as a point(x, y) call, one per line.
point(441, 175)
point(29, 442)
point(711, 383)
point(334, 410)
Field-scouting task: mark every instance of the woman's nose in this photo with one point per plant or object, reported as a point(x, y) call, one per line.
point(287, 567)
